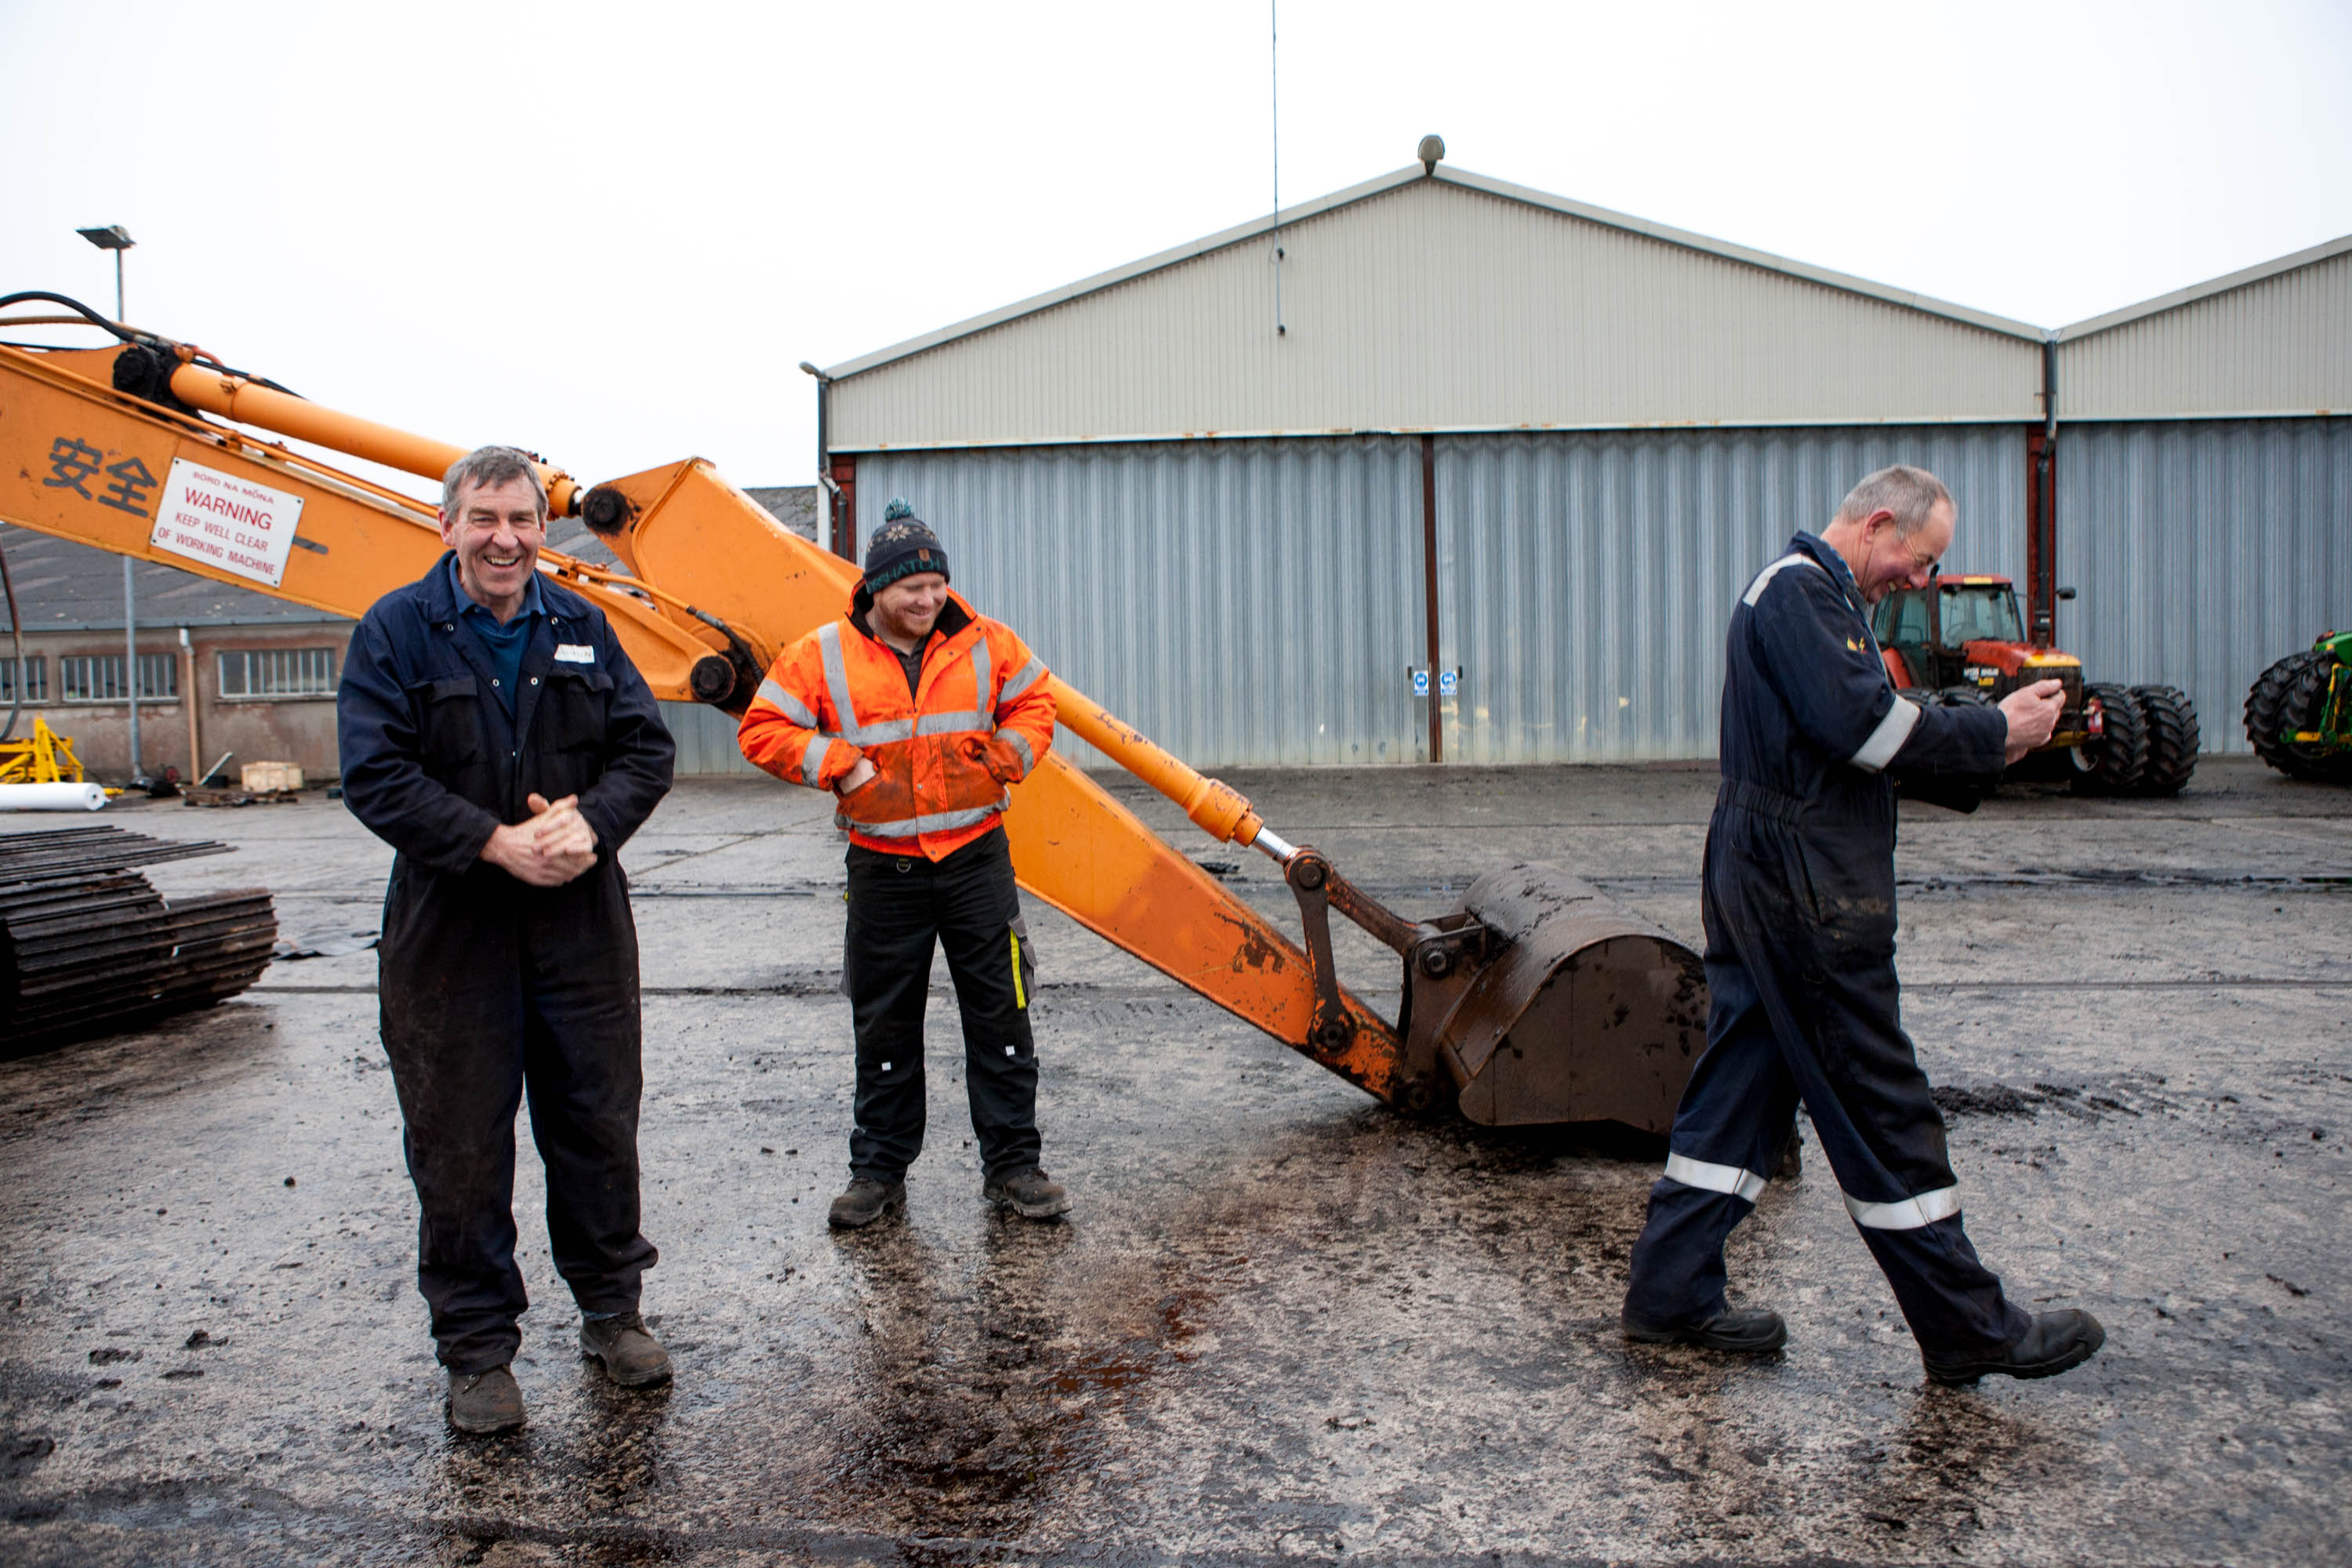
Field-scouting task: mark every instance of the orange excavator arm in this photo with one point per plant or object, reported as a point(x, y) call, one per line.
point(1537, 1001)
point(115, 448)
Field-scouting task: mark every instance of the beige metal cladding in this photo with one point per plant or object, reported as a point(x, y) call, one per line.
point(2274, 340)
point(1449, 303)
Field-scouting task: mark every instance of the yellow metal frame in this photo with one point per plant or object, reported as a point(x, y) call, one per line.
point(42, 757)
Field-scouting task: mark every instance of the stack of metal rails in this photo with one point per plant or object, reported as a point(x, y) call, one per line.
point(89, 947)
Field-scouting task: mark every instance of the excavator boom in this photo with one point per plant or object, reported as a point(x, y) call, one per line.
point(114, 448)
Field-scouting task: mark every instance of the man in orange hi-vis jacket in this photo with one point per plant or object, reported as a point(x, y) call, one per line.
point(917, 711)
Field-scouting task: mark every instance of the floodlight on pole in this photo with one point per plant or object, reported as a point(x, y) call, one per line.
point(116, 238)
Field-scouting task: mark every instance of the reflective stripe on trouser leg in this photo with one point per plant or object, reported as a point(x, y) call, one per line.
point(1911, 1213)
point(1733, 1118)
point(1746, 1185)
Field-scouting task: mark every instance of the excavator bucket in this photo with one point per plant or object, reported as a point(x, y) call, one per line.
point(1563, 1005)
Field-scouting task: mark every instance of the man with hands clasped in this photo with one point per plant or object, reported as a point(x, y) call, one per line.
point(495, 733)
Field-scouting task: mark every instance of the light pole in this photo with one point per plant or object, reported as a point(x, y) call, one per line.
point(116, 238)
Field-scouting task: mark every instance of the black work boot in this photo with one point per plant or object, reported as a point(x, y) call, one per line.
point(2050, 1343)
point(1743, 1330)
point(632, 1356)
point(1031, 1194)
point(482, 1403)
point(864, 1200)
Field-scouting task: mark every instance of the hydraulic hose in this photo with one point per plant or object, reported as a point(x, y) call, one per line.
point(17, 634)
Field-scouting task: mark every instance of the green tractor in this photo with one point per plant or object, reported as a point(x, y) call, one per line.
point(2299, 714)
point(1961, 640)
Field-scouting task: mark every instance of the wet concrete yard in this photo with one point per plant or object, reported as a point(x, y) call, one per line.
point(1281, 1323)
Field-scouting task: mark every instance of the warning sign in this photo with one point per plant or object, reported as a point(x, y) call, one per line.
point(227, 522)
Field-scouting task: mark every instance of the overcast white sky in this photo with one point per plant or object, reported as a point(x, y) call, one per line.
point(608, 233)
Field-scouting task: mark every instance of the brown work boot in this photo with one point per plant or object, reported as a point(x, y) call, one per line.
point(1031, 1194)
point(632, 1357)
point(864, 1200)
point(482, 1403)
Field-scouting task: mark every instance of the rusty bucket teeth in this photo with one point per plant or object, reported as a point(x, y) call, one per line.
point(1577, 1010)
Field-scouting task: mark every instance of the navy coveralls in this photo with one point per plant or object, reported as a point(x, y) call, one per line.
point(1799, 897)
point(488, 985)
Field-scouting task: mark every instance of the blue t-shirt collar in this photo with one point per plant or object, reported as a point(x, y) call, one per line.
point(533, 605)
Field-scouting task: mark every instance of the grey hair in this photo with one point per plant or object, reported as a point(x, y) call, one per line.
point(1911, 494)
point(487, 468)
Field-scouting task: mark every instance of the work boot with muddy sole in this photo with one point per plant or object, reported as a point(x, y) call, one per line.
point(483, 1403)
point(2053, 1342)
point(864, 1200)
point(1031, 1194)
point(632, 1356)
point(1740, 1331)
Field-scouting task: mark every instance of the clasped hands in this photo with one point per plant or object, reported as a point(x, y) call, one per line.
point(549, 849)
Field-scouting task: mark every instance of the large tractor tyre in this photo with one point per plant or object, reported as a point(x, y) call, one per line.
point(2170, 720)
point(2115, 762)
point(2289, 696)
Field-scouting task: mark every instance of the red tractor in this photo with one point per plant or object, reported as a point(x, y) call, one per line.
point(1960, 642)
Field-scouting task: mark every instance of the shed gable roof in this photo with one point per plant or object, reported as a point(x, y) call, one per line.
point(1444, 302)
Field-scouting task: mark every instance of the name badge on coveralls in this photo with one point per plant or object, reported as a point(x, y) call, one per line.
point(574, 653)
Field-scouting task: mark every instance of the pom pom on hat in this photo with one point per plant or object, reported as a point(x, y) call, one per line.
point(902, 547)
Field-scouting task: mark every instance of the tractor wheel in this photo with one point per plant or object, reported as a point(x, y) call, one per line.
point(1963, 696)
point(2171, 723)
point(2115, 762)
point(2289, 696)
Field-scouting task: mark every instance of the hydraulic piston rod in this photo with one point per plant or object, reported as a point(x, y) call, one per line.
point(266, 408)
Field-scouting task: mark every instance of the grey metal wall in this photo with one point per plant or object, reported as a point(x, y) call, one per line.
point(1586, 579)
point(1238, 601)
point(2203, 551)
point(1261, 602)
point(2280, 344)
point(706, 739)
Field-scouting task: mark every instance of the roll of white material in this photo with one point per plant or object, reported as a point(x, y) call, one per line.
point(51, 797)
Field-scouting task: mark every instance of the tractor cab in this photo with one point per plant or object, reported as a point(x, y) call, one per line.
point(1961, 640)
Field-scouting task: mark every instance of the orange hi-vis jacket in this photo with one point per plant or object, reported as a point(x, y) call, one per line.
point(979, 718)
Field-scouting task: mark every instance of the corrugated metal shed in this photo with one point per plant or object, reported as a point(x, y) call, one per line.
point(1448, 303)
point(1586, 580)
point(2272, 340)
point(2203, 551)
point(1259, 602)
point(1238, 601)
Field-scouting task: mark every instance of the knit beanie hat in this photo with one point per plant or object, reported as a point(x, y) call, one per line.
point(903, 547)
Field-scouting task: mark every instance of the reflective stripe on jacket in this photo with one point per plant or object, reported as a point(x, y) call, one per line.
point(981, 717)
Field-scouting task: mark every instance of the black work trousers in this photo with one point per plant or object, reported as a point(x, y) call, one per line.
point(1804, 1005)
point(488, 988)
point(900, 907)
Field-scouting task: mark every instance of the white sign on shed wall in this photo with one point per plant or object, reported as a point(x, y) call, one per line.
point(227, 522)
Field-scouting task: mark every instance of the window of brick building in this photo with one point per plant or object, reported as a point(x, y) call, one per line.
point(36, 682)
point(98, 678)
point(277, 672)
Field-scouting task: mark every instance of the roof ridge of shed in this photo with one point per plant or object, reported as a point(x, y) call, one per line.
point(2292, 262)
point(1399, 179)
